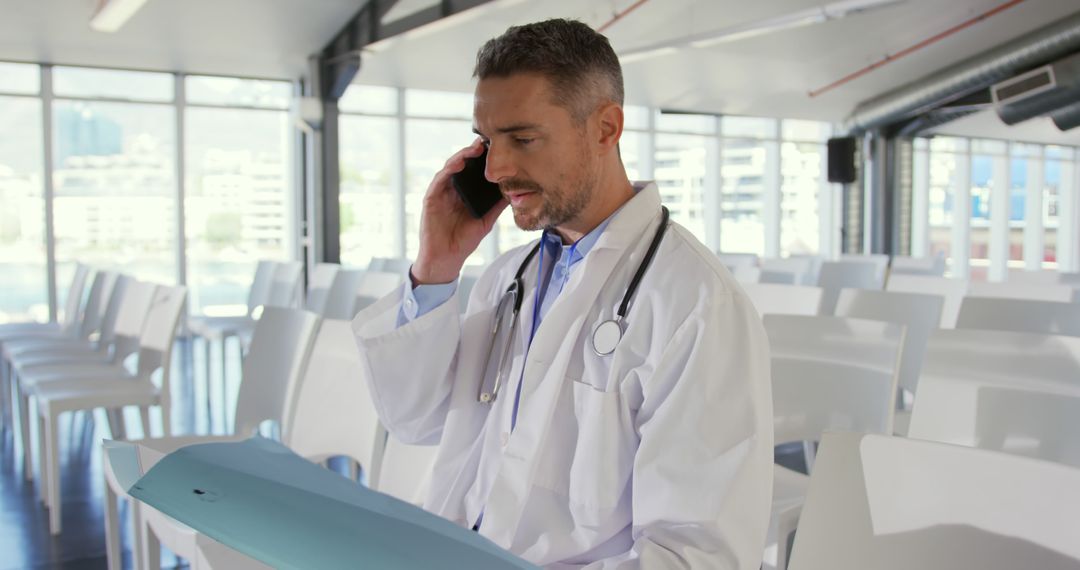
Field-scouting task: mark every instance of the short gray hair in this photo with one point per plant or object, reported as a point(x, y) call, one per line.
point(577, 60)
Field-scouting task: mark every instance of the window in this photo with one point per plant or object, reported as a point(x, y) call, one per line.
point(943, 180)
point(115, 188)
point(233, 91)
point(369, 181)
point(742, 196)
point(749, 127)
point(429, 143)
point(685, 123)
point(23, 279)
point(238, 201)
point(369, 100)
point(681, 162)
point(20, 78)
point(801, 171)
point(113, 84)
point(439, 104)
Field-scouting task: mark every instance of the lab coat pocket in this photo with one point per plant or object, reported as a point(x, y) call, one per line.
point(603, 455)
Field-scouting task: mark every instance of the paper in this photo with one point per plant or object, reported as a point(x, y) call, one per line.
point(265, 501)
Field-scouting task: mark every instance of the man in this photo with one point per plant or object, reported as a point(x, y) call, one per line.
point(653, 450)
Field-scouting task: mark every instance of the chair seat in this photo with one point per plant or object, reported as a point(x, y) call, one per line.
point(30, 361)
point(14, 330)
point(55, 398)
point(219, 327)
point(32, 378)
point(24, 341)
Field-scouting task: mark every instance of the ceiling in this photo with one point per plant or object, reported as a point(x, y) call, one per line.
point(766, 75)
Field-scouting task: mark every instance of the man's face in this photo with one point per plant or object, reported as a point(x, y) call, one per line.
point(537, 153)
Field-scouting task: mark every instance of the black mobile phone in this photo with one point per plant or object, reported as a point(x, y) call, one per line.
point(479, 195)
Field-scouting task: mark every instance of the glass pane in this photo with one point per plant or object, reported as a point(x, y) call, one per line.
point(921, 143)
point(444, 104)
point(237, 200)
point(988, 146)
point(1058, 152)
point(635, 117)
point(745, 164)
point(630, 147)
point(680, 165)
point(982, 170)
point(21, 78)
point(1018, 180)
point(1051, 200)
point(112, 83)
point(115, 182)
point(369, 99)
point(811, 131)
point(686, 123)
point(23, 284)
point(369, 181)
point(801, 167)
point(428, 144)
point(943, 176)
point(752, 127)
point(235, 91)
point(947, 144)
point(1028, 150)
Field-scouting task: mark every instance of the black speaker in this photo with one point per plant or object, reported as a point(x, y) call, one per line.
point(842, 160)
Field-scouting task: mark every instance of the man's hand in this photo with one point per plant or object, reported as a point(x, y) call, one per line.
point(448, 233)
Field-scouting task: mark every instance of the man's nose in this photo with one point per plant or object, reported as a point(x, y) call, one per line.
point(499, 164)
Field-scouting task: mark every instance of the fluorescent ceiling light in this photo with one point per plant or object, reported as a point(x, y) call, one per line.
point(816, 15)
point(112, 14)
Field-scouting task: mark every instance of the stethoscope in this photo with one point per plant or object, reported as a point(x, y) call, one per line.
point(606, 335)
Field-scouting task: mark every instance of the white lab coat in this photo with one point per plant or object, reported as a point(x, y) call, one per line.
point(657, 456)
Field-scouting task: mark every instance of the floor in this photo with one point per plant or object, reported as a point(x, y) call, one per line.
point(25, 542)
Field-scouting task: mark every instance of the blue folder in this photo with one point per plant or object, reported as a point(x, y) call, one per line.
point(263, 500)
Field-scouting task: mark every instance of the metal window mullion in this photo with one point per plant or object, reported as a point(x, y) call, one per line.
point(920, 203)
point(773, 195)
point(713, 184)
point(999, 219)
point(180, 97)
point(47, 179)
point(961, 230)
point(1069, 215)
point(401, 245)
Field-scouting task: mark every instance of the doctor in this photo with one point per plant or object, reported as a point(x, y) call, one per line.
point(640, 443)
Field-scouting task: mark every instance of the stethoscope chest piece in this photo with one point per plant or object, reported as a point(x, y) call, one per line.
point(606, 337)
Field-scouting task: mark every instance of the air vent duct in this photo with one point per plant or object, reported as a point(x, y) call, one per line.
point(1039, 91)
point(1067, 118)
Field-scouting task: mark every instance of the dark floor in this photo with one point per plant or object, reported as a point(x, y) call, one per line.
point(25, 541)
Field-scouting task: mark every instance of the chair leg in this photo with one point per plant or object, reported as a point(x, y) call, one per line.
point(151, 550)
point(42, 457)
point(113, 549)
point(116, 423)
point(138, 535)
point(144, 417)
point(224, 385)
point(23, 401)
point(53, 467)
point(166, 418)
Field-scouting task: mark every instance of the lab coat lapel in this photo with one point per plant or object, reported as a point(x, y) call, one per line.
point(555, 344)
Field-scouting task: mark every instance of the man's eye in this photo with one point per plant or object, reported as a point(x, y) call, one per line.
point(523, 141)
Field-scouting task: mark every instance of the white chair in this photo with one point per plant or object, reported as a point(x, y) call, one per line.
point(1008, 391)
point(389, 265)
point(406, 470)
point(920, 315)
point(1036, 278)
point(837, 275)
point(124, 341)
point(341, 299)
point(879, 260)
point(896, 504)
point(775, 299)
point(735, 260)
point(800, 268)
point(333, 414)
point(1020, 315)
point(68, 319)
point(747, 274)
point(952, 290)
point(320, 285)
point(1010, 290)
point(279, 354)
point(285, 289)
point(858, 342)
point(374, 286)
point(933, 266)
point(114, 389)
point(777, 277)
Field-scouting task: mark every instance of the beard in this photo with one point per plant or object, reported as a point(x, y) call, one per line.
point(558, 204)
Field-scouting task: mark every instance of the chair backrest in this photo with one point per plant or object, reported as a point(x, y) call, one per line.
point(406, 470)
point(953, 291)
point(933, 266)
point(398, 265)
point(1036, 278)
point(1007, 391)
point(1010, 290)
point(776, 299)
point(894, 504)
point(333, 413)
point(812, 396)
point(801, 268)
point(259, 293)
point(280, 347)
point(131, 318)
point(1020, 315)
point(875, 345)
point(778, 277)
point(319, 285)
point(341, 299)
point(919, 313)
point(464, 289)
point(747, 274)
point(71, 317)
point(100, 289)
point(837, 275)
point(375, 285)
point(159, 331)
point(285, 290)
point(112, 310)
point(879, 260)
point(735, 260)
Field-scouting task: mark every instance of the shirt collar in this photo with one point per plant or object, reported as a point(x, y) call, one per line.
point(552, 241)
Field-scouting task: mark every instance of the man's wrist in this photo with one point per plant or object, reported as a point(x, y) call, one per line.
point(420, 274)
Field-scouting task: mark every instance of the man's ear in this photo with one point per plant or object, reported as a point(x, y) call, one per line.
point(609, 121)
